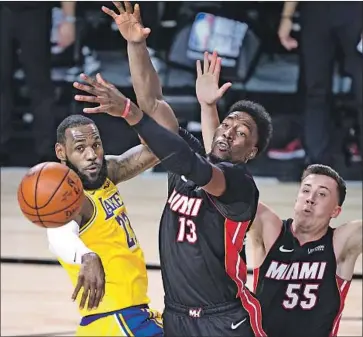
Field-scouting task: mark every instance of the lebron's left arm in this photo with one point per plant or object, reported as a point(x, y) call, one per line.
point(131, 163)
point(347, 247)
point(140, 158)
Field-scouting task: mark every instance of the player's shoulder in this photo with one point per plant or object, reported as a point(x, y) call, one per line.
point(236, 173)
point(345, 231)
point(192, 141)
point(107, 186)
point(238, 167)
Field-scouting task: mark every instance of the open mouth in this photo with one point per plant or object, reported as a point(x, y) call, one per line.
point(222, 146)
point(92, 169)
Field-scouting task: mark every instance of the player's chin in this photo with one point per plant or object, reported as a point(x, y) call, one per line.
point(221, 155)
point(92, 176)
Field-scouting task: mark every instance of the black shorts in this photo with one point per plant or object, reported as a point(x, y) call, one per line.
point(229, 319)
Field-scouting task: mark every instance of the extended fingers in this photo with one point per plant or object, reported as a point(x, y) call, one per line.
point(89, 80)
point(199, 69)
point(99, 293)
point(102, 81)
point(98, 109)
point(205, 62)
point(77, 288)
point(109, 12)
point(217, 68)
point(119, 6)
point(92, 295)
point(128, 7)
point(223, 89)
point(86, 88)
point(89, 99)
point(213, 62)
point(137, 13)
point(84, 296)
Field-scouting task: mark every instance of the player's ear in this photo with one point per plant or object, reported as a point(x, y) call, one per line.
point(336, 212)
point(60, 152)
point(253, 153)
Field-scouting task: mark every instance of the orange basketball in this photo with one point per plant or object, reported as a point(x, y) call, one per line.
point(50, 194)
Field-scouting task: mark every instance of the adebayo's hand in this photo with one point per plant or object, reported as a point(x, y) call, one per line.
point(104, 93)
point(207, 83)
point(128, 21)
point(91, 278)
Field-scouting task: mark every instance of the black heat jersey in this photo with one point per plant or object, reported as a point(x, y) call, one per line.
point(298, 288)
point(202, 238)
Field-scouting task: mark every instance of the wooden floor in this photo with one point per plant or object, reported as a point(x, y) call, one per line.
point(35, 299)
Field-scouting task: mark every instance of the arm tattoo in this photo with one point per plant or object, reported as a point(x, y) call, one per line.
point(130, 164)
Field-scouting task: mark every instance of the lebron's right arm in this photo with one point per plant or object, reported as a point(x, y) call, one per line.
point(140, 158)
point(130, 164)
point(65, 243)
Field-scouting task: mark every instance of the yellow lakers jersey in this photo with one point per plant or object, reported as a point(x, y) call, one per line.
point(109, 234)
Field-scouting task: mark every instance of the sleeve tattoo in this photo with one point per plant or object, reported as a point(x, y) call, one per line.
point(131, 163)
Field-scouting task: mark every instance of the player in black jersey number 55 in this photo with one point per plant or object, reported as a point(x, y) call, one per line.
point(303, 267)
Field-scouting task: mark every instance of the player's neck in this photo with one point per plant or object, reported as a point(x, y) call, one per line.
point(307, 232)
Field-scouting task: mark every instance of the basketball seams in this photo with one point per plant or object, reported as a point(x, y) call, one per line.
point(35, 194)
point(54, 222)
point(22, 195)
point(45, 191)
point(55, 190)
point(60, 210)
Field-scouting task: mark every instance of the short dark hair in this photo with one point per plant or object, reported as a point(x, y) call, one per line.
point(329, 172)
point(261, 118)
point(71, 121)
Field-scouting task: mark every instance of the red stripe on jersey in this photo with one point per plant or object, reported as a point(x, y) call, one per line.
point(343, 287)
point(256, 274)
point(234, 234)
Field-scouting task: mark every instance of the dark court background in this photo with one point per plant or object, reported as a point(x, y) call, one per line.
point(313, 92)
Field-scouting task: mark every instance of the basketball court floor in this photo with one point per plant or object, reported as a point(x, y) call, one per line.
point(36, 299)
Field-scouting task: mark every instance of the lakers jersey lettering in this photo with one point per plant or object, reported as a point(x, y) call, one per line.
point(111, 204)
point(109, 234)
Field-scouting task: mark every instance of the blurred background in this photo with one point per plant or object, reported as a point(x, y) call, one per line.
point(303, 64)
point(302, 61)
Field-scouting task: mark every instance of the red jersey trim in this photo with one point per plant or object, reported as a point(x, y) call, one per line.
point(234, 234)
point(256, 275)
point(343, 288)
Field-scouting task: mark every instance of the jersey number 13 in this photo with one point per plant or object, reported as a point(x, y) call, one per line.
point(187, 230)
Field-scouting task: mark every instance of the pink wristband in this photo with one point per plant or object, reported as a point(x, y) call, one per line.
point(127, 108)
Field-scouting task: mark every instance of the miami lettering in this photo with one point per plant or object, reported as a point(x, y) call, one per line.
point(296, 271)
point(111, 204)
point(184, 205)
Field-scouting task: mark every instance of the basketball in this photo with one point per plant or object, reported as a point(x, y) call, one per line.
point(50, 194)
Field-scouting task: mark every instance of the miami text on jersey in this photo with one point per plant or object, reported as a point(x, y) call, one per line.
point(296, 271)
point(184, 205)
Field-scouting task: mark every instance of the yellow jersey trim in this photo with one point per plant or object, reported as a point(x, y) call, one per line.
point(93, 217)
